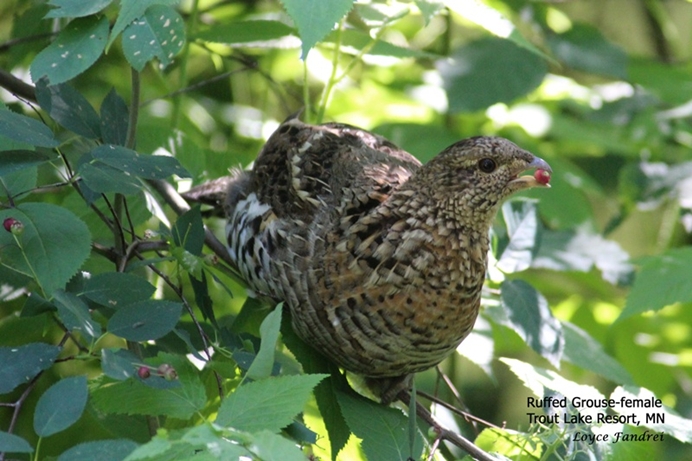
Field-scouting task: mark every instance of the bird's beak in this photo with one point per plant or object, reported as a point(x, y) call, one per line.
point(540, 178)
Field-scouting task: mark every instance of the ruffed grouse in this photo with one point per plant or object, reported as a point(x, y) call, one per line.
point(380, 260)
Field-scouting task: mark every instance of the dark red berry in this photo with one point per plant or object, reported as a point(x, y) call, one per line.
point(143, 372)
point(542, 177)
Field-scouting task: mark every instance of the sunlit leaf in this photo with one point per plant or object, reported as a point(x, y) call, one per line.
point(384, 430)
point(269, 332)
point(523, 233)
point(270, 404)
point(315, 18)
point(246, 33)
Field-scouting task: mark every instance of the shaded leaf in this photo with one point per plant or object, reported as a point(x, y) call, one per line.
point(663, 280)
point(74, 50)
point(103, 179)
point(107, 289)
point(75, 8)
point(584, 351)
point(525, 311)
point(119, 364)
point(24, 129)
point(315, 19)
point(60, 406)
point(55, 243)
point(270, 404)
point(103, 450)
point(114, 119)
point(10, 443)
point(269, 332)
point(488, 71)
point(69, 108)
point(145, 320)
point(143, 166)
point(159, 33)
point(19, 365)
point(15, 160)
point(384, 430)
point(246, 33)
point(188, 231)
point(583, 47)
point(74, 314)
point(131, 10)
point(353, 41)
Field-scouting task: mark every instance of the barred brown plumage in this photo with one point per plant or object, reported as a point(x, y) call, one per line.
point(380, 260)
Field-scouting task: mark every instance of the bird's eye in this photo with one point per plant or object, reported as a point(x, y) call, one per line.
point(487, 165)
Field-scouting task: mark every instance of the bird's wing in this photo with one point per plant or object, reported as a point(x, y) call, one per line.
point(304, 168)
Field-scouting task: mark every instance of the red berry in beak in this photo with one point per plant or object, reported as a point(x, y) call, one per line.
point(542, 177)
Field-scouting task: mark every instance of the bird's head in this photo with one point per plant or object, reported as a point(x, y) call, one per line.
point(473, 176)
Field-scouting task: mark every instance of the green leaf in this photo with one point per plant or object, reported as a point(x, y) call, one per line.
point(114, 119)
point(75, 8)
point(24, 129)
point(143, 166)
point(315, 18)
point(102, 179)
point(118, 364)
point(525, 311)
point(488, 71)
point(353, 41)
point(103, 450)
point(134, 397)
point(584, 351)
point(663, 280)
point(16, 160)
point(107, 289)
point(19, 365)
point(429, 8)
point(159, 33)
point(60, 406)
point(384, 430)
point(669, 82)
point(131, 10)
point(75, 49)
point(270, 404)
point(18, 183)
point(246, 33)
point(188, 231)
point(75, 315)
point(524, 233)
point(55, 243)
point(69, 108)
point(510, 443)
point(673, 424)
point(269, 332)
point(272, 447)
point(10, 443)
point(583, 47)
point(145, 320)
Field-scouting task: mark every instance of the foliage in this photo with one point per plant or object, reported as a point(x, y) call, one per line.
point(121, 332)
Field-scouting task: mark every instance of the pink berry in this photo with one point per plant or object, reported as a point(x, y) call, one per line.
point(542, 177)
point(13, 225)
point(143, 372)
